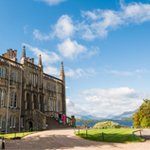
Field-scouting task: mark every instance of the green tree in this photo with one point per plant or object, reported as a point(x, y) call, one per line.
point(136, 118)
point(142, 116)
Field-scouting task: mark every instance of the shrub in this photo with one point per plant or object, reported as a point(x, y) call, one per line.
point(106, 124)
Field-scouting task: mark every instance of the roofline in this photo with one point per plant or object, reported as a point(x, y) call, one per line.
point(52, 77)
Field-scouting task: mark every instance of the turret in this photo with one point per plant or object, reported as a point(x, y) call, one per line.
point(23, 57)
point(40, 62)
point(23, 51)
point(62, 73)
point(62, 77)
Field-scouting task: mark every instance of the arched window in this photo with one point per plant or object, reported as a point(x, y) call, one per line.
point(28, 99)
point(13, 100)
point(35, 102)
point(12, 121)
point(41, 104)
point(3, 94)
point(1, 122)
point(13, 76)
point(51, 104)
point(2, 72)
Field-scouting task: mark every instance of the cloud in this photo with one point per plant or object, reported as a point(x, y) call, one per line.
point(106, 102)
point(52, 70)
point(52, 2)
point(75, 109)
point(40, 36)
point(134, 73)
point(98, 23)
point(47, 56)
point(64, 27)
point(70, 49)
point(79, 72)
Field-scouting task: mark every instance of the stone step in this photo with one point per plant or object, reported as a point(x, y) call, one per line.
point(55, 124)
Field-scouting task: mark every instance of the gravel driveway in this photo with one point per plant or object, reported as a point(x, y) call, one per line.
point(65, 139)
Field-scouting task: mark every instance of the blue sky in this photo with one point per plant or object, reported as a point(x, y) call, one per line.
point(104, 46)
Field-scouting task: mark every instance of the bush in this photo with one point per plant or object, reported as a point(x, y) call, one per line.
point(106, 124)
point(145, 122)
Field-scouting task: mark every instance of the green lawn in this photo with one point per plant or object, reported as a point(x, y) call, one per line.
point(13, 135)
point(121, 135)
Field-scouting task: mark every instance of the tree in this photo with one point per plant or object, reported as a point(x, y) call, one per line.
point(142, 116)
point(136, 118)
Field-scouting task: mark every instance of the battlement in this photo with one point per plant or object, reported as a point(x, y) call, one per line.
point(10, 54)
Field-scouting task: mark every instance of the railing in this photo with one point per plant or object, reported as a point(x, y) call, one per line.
point(61, 118)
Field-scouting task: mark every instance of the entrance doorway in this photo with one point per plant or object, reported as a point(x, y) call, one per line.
point(30, 126)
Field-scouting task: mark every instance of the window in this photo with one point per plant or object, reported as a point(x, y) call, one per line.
point(22, 125)
point(1, 122)
point(12, 121)
point(2, 97)
point(13, 100)
point(13, 76)
point(2, 72)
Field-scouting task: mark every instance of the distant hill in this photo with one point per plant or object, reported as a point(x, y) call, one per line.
point(124, 115)
point(87, 117)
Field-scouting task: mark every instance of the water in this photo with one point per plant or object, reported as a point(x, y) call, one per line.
point(121, 122)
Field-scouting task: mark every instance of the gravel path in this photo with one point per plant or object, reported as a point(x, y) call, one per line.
point(65, 139)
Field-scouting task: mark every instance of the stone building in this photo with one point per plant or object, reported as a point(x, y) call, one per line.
point(28, 96)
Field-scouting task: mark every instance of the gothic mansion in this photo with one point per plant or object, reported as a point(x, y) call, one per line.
point(27, 94)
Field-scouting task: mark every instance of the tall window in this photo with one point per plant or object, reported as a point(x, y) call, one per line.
point(13, 76)
point(36, 104)
point(13, 100)
point(2, 97)
point(29, 102)
point(1, 122)
point(12, 121)
point(2, 72)
point(51, 104)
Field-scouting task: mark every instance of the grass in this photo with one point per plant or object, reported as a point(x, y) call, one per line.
point(15, 135)
point(121, 135)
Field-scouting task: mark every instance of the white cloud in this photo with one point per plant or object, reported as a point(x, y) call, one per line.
point(137, 12)
point(79, 72)
point(112, 101)
point(106, 102)
point(47, 56)
point(75, 109)
point(40, 36)
point(52, 70)
point(64, 27)
point(99, 22)
point(134, 73)
point(70, 49)
point(52, 2)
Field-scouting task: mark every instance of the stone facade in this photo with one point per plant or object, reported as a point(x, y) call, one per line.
point(27, 94)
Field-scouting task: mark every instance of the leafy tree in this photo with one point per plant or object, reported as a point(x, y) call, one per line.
point(145, 122)
point(106, 124)
point(136, 118)
point(142, 116)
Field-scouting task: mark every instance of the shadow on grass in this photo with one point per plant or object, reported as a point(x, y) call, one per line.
point(109, 137)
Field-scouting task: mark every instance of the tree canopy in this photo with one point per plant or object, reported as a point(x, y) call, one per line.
point(106, 124)
point(142, 116)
